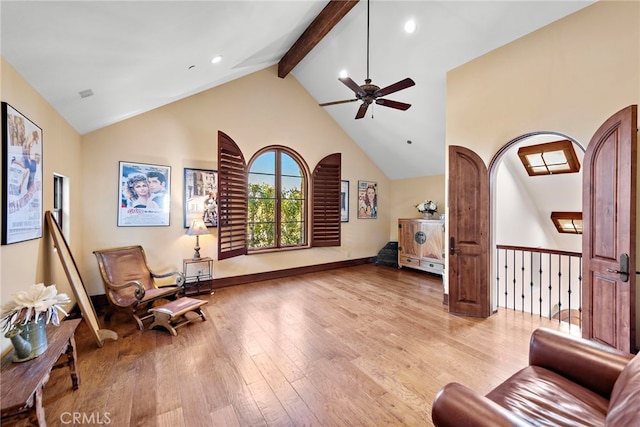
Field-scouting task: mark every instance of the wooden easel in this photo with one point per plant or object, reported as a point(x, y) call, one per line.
point(73, 275)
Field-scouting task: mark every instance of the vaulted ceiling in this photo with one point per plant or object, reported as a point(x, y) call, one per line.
point(138, 55)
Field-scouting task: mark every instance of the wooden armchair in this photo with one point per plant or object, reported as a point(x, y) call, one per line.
point(130, 284)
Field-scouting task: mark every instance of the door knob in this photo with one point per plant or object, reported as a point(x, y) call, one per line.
point(452, 246)
point(624, 268)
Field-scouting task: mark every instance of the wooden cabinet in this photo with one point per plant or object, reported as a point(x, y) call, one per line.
point(421, 244)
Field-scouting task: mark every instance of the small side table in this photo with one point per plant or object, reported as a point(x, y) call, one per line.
point(198, 274)
point(21, 384)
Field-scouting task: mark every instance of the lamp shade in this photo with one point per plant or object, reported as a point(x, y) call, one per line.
point(197, 228)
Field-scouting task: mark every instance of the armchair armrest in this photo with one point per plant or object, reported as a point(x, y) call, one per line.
point(578, 359)
point(180, 279)
point(456, 405)
point(138, 292)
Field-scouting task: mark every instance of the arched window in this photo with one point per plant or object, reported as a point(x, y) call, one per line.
point(319, 227)
point(277, 200)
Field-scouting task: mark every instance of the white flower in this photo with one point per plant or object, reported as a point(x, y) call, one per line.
point(30, 304)
point(427, 206)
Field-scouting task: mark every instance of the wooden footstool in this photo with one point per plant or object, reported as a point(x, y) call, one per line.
point(177, 313)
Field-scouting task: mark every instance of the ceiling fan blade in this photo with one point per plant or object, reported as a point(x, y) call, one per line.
point(338, 102)
point(402, 84)
point(393, 104)
point(362, 110)
point(348, 81)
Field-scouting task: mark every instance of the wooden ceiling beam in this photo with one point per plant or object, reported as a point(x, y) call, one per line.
point(332, 13)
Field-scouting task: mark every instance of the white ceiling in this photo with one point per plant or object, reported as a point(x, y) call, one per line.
point(136, 56)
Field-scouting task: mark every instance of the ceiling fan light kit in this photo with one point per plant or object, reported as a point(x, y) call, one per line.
point(369, 93)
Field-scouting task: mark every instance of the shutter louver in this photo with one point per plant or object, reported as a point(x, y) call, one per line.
point(325, 228)
point(232, 199)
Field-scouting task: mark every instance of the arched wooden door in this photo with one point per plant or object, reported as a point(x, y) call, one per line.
point(468, 233)
point(609, 237)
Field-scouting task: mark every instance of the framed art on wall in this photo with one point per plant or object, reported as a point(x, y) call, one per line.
point(367, 199)
point(145, 195)
point(21, 177)
point(344, 201)
point(200, 196)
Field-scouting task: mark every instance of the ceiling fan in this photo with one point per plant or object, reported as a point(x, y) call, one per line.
point(369, 93)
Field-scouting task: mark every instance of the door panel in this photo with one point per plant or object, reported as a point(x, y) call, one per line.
point(609, 220)
point(604, 292)
point(468, 233)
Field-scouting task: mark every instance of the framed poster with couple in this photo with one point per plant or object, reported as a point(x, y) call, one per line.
point(367, 200)
point(200, 196)
point(145, 195)
point(21, 177)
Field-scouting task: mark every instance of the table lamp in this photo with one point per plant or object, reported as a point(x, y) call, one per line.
point(198, 228)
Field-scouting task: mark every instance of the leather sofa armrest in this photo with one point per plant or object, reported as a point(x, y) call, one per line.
point(456, 405)
point(588, 363)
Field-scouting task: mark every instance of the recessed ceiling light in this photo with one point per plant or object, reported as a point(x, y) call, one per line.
point(410, 26)
point(216, 59)
point(344, 74)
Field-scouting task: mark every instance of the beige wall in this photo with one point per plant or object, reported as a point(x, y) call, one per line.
point(568, 77)
point(34, 261)
point(407, 193)
point(257, 110)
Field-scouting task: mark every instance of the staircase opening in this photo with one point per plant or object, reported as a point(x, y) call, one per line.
point(534, 268)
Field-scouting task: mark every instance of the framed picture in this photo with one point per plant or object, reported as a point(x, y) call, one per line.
point(200, 196)
point(367, 200)
point(344, 201)
point(145, 195)
point(21, 177)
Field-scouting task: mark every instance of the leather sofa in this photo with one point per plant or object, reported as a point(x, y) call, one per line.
point(570, 381)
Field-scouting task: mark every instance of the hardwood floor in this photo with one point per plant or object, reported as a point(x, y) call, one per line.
point(358, 346)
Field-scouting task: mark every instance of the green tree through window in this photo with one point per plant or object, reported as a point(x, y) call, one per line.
point(276, 200)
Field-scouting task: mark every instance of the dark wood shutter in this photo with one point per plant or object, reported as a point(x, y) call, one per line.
point(232, 199)
point(325, 220)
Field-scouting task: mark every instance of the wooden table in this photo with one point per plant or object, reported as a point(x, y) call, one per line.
point(21, 384)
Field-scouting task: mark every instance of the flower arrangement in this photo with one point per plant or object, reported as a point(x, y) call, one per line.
point(427, 207)
point(38, 300)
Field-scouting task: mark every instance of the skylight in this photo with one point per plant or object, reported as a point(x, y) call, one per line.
point(567, 222)
point(550, 158)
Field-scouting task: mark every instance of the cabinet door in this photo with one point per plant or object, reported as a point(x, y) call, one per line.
point(408, 246)
point(433, 247)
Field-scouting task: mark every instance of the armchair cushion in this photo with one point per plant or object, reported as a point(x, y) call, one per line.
point(546, 398)
point(128, 298)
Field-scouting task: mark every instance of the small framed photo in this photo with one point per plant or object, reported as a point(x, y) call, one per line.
point(200, 196)
point(21, 177)
point(367, 200)
point(344, 201)
point(145, 195)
